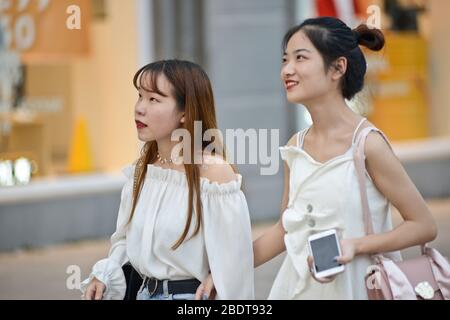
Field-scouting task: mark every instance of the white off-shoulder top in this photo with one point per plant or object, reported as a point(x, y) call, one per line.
point(223, 245)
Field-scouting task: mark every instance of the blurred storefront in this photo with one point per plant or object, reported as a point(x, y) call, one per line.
point(404, 95)
point(66, 115)
point(66, 96)
point(62, 114)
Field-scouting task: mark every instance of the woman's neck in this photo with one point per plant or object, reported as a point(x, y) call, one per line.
point(330, 114)
point(165, 147)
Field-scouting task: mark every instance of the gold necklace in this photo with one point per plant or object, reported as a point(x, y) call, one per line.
point(164, 160)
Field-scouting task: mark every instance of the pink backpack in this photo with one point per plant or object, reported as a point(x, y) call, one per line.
point(425, 277)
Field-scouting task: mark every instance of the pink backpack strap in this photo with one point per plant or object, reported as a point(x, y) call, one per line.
point(359, 159)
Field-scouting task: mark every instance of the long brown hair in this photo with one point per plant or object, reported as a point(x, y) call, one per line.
point(192, 91)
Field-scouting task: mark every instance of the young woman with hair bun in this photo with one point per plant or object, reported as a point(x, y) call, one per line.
point(323, 66)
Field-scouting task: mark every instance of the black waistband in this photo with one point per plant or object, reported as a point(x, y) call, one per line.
point(134, 282)
point(155, 286)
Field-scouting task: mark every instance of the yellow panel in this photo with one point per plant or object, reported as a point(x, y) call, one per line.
point(400, 104)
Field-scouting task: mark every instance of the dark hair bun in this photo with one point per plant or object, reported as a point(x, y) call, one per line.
point(370, 38)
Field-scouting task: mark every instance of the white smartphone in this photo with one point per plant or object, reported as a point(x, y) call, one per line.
point(324, 247)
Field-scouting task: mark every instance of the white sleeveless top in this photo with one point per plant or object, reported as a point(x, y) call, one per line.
point(324, 196)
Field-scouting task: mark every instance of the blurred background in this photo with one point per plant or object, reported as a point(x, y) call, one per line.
point(67, 124)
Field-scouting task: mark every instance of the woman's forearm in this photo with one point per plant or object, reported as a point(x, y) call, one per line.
point(269, 245)
point(408, 234)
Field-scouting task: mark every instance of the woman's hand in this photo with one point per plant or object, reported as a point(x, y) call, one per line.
point(95, 290)
point(321, 280)
point(206, 290)
point(349, 252)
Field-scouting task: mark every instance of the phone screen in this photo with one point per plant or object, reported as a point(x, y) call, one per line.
point(324, 251)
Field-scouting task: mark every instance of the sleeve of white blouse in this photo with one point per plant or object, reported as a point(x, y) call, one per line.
point(228, 239)
point(109, 270)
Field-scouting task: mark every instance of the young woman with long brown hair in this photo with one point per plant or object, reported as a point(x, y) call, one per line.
point(177, 220)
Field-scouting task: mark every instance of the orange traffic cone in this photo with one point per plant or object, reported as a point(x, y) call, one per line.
point(80, 159)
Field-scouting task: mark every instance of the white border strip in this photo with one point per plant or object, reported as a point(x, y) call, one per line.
point(421, 150)
point(43, 189)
